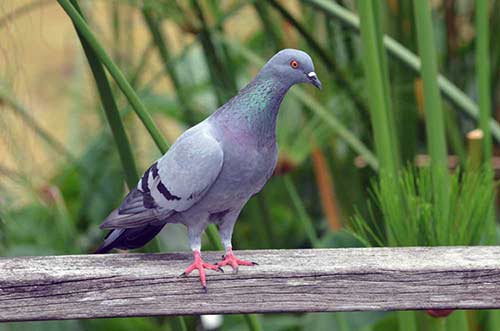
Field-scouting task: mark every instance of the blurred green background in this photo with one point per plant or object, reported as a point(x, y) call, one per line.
point(354, 158)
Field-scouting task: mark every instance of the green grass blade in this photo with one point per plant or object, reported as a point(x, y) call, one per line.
point(161, 45)
point(457, 321)
point(484, 94)
point(113, 118)
point(377, 85)
point(225, 86)
point(213, 237)
point(116, 73)
point(434, 324)
point(140, 68)
point(253, 322)
point(111, 111)
point(274, 33)
point(306, 221)
point(116, 23)
point(215, 10)
point(436, 137)
point(483, 76)
point(450, 91)
point(407, 320)
point(337, 127)
point(455, 136)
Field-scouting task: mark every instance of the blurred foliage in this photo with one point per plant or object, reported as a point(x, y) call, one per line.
point(413, 218)
point(191, 56)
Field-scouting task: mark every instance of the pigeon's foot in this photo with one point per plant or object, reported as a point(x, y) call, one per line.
point(230, 259)
point(200, 265)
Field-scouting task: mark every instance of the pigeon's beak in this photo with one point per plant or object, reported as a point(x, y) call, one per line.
point(313, 78)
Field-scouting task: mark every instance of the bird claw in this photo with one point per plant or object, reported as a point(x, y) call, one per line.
point(233, 261)
point(201, 265)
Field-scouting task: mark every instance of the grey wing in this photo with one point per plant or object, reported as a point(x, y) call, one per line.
point(174, 183)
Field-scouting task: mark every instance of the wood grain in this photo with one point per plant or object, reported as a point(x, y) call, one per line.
point(359, 279)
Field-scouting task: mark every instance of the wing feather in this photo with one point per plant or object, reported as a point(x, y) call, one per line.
point(188, 170)
point(174, 183)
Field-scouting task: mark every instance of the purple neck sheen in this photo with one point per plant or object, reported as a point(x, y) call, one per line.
point(252, 112)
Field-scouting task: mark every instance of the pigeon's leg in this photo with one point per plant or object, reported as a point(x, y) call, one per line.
point(226, 232)
point(198, 263)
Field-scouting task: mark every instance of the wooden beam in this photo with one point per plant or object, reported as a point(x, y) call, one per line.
point(358, 279)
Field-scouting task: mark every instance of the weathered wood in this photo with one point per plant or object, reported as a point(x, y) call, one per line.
point(117, 285)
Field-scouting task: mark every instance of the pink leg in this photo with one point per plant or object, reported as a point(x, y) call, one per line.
point(230, 259)
point(201, 265)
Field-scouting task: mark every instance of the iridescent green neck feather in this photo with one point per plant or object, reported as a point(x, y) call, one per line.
point(254, 110)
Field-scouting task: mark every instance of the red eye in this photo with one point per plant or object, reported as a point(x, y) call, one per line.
point(294, 64)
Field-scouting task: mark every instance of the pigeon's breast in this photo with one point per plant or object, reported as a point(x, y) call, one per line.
point(245, 170)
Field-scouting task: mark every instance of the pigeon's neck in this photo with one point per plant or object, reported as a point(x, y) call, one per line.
point(253, 112)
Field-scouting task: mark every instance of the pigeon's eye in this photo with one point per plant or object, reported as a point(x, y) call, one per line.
point(294, 64)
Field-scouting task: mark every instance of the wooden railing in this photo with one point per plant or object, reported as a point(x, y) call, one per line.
point(358, 279)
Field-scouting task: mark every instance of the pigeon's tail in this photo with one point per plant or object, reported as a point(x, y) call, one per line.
point(135, 223)
point(129, 238)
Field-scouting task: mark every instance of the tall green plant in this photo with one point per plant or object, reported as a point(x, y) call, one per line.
point(483, 69)
point(450, 91)
point(111, 111)
point(225, 85)
point(377, 85)
point(83, 28)
point(382, 118)
point(483, 76)
point(163, 50)
point(412, 218)
point(436, 137)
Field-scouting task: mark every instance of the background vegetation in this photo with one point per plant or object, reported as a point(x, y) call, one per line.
point(353, 156)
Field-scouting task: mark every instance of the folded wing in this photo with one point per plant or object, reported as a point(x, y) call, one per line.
point(173, 183)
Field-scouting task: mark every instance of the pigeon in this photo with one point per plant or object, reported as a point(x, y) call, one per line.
point(213, 168)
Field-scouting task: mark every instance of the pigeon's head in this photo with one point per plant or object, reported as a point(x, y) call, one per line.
point(293, 66)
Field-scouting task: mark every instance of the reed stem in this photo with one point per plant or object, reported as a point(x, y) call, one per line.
point(159, 40)
point(83, 28)
point(111, 111)
point(377, 86)
point(450, 91)
point(483, 76)
point(436, 137)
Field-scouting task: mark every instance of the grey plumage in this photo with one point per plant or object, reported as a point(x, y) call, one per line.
point(213, 168)
point(174, 183)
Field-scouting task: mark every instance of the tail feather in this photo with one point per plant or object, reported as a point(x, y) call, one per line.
point(116, 220)
point(133, 224)
point(104, 248)
point(129, 238)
